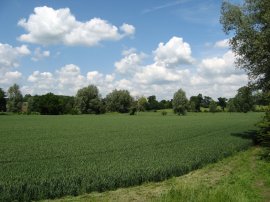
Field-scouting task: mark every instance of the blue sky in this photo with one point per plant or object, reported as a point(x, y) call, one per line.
point(147, 47)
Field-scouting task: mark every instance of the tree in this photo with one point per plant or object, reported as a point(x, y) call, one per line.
point(49, 104)
point(249, 24)
point(152, 103)
point(88, 100)
point(119, 101)
point(192, 106)
point(180, 102)
point(222, 102)
point(206, 101)
point(230, 105)
point(3, 101)
point(243, 100)
point(15, 99)
point(197, 101)
point(213, 106)
point(165, 104)
point(141, 104)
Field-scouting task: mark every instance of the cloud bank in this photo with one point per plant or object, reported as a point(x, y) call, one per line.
point(49, 26)
point(172, 67)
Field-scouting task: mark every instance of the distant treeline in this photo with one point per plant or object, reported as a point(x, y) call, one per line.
point(89, 101)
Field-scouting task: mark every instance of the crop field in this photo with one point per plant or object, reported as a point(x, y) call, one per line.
point(52, 156)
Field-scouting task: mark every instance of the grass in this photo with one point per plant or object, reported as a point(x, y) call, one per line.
point(52, 156)
point(241, 178)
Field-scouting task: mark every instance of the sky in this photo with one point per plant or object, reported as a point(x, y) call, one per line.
point(152, 47)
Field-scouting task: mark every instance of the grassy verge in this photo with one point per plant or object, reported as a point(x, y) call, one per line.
point(242, 177)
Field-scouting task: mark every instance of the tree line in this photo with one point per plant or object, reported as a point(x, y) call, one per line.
point(89, 101)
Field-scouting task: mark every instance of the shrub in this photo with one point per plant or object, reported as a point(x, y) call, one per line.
point(132, 111)
point(263, 136)
point(164, 113)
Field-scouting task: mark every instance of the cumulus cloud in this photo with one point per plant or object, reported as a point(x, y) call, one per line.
point(213, 76)
point(222, 44)
point(9, 56)
point(43, 82)
point(223, 65)
point(10, 59)
point(173, 53)
point(49, 26)
point(130, 63)
point(10, 77)
point(39, 54)
point(158, 74)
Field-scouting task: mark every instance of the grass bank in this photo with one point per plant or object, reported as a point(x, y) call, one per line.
point(241, 178)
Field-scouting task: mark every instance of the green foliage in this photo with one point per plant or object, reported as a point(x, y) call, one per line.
point(230, 105)
point(152, 103)
point(180, 102)
point(197, 100)
point(88, 101)
point(206, 101)
point(3, 101)
point(222, 102)
point(15, 99)
point(263, 137)
point(163, 113)
point(243, 100)
point(249, 23)
point(165, 104)
point(119, 101)
point(52, 156)
point(213, 106)
point(133, 110)
point(141, 104)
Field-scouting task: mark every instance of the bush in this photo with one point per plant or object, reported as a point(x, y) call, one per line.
point(163, 113)
point(132, 111)
point(263, 136)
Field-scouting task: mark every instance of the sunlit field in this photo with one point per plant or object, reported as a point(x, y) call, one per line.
point(53, 156)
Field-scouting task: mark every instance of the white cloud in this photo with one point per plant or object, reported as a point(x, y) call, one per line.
point(9, 56)
point(130, 63)
point(219, 65)
point(127, 29)
point(39, 55)
point(213, 76)
point(42, 82)
point(49, 26)
point(174, 53)
point(69, 79)
point(94, 77)
point(10, 77)
point(158, 74)
point(222, 44)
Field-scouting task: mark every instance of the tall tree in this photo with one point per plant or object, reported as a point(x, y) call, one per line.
point(15, 99)
point(119, 101)
point(152, 103)
point(222, 102)
point(206, 101)
point(243, 100)
point(213, 106)
point(249, 23)
point(88, 100)
point(197, 100)
point(180, 102)
point(3, 101)
point(141, 104)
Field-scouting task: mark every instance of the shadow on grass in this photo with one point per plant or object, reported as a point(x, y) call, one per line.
point(251, 134)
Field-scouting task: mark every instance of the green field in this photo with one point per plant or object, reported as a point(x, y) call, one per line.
point(52, 156)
